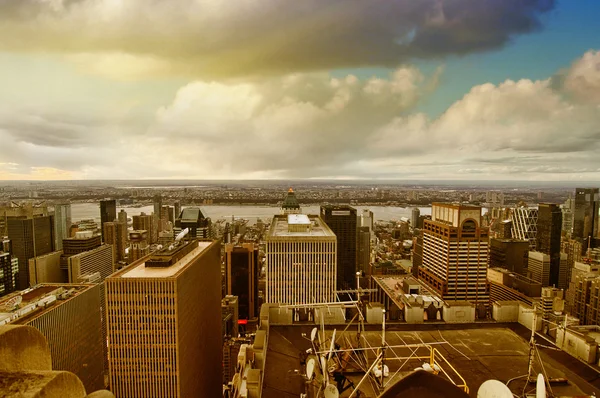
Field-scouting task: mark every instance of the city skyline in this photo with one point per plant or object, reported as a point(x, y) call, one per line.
point(402, 90)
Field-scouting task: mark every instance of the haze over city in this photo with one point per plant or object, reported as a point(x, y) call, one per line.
point(417, 90)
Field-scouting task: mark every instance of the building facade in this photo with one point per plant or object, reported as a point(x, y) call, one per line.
point(241, 277)
point(510, 254)
point(585, 213)
point(301, 260)
point(549, 228)
point(524, 225)
point(144, 222)
point(163, 313)
point(108, 213)
point(30, 237)
point(69, 317)
point(342, 220)
point(62, 223)
point(455, 253)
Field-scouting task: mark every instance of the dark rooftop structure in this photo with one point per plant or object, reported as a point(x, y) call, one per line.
point(290, 203)
point(193, 219)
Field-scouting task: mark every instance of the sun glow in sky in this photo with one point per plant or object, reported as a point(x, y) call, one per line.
point(389, 89)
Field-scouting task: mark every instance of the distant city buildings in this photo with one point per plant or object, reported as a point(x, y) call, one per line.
point(163, 315)
point(138, 245)
point(455, 253)
point(585, 213)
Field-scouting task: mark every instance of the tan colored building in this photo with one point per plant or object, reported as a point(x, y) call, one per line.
point(46, 269)
point(301, 260)
point(68, 315)
point(455, 253)
point(164, 318)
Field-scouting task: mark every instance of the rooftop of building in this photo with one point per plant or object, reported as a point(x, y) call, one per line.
point(191, 214)
point(138, 269)
point(459, 206)
point(513, 274)
point(394, 288)
point(279, 227)
point(478, 354)
point(25, 305)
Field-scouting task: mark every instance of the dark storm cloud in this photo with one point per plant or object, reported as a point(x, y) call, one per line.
point(272, 36)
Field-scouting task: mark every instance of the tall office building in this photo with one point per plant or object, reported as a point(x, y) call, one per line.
point(25, 211)
point(585, 213)
point(46, 269)
point(301, 260)
point(144, 222)
point(511, 254)
point(549, 227)
point(108, 213)
point(341, 219)
point(30, 237)
point(241, 277)
point(524, 225)
point(115, 234)
point(540, 269)
point(157, 205)
point(138, 245)
point(81, 242)
point(198, 225)
point(567, 216)
point(414, 219)
point(6, 277)
point(122, 216)
point(62, 223)
point(69, 317)
point(455, 253)
point(366, 219)
point(363, 255)
point(163, 314)
point(290, 203)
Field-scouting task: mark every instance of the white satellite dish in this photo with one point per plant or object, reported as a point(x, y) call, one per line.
point(494, 389)
point(313, 334)
point(540, 387)
point(310, 368)
point(331, 391)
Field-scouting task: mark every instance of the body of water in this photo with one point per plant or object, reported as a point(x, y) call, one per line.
point(81, 211)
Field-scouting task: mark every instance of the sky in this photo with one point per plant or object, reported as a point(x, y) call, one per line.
point(312, 89)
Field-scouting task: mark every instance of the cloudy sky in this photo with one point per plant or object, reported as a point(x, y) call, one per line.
point(212, 89)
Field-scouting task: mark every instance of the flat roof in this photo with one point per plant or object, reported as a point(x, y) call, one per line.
point(279, 228)
point(141, 271)
point(298, 219)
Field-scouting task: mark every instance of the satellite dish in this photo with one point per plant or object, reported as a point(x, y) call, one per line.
point(313, 334)
point(494, 389)
point(540, 387)
point(331, 391)
point(310, 368)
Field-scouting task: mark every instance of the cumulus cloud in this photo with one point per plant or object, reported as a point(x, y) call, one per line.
point(212, 38)
point(311, 125)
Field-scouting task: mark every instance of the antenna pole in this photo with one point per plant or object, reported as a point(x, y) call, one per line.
point(383, 349)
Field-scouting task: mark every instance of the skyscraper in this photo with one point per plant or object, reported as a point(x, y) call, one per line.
point(290, 203)
point(115, 234)
point(341, 219)
point(364, 249)
point(455, 253)
point(301, 260)
point(122, 216)
point(549, 227)
point(108, 213)
point(163, 324)
point(138, 245)
point(192, 218)
point(585, 213)
point(241, 275)
point(524, 225)
point(30, 237)
point(68, 316)
point(62, 223)
point(414, 220)
point(510, 254)
point(5, 273)
point(144, 222)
